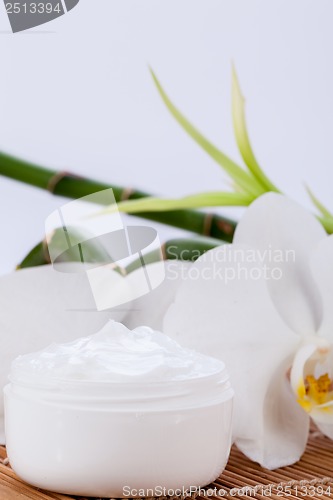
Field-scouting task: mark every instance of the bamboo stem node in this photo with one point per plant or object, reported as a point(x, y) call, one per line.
point(226, 227)
point(57, 178)
point(208, 221)
point(46, 253)
point(126, 194)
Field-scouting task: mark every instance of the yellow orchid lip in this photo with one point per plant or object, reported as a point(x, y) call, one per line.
point(311, 377)
point(315, 392)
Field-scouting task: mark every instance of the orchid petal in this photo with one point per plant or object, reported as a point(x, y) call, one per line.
point(285, 426)
point(326, 429)
point(323, 414)
point(40, 306)
point(323, 417)
point(285, 235)
point(322, 268)
point(150, 309)
point(223, 310)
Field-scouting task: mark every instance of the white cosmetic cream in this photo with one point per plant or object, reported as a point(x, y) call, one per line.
point(116, 412)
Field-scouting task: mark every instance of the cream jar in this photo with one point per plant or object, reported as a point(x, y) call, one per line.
point(120, 413)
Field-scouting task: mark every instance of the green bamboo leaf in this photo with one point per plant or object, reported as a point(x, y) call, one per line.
point(242, 178)
point(322, 209)
point(38, 256)
point(201, 200)
point(242, 137)
point(327, 223)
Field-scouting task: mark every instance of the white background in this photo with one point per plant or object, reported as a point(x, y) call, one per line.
point(76, 94)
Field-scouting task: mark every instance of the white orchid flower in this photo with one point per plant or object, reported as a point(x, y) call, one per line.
point(264, 306)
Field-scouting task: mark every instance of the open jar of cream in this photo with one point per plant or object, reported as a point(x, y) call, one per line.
point(119, 413)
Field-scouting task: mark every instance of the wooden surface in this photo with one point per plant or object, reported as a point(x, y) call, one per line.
point(311, 477)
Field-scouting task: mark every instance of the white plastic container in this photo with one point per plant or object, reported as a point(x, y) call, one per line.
point(110, 432)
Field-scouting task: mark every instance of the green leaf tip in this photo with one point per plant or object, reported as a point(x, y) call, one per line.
point(242, 136)
point(245, 180)
point(318, 204)
point(201, 200)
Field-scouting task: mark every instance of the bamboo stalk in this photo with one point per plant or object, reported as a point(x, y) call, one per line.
point(72, 186)
point(178, 248)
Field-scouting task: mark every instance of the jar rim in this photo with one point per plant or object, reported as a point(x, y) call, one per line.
point(166, 395)
point(57, 382)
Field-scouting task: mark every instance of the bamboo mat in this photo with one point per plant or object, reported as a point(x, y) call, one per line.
point(311, 477)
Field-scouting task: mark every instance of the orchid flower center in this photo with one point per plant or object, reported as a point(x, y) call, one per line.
point(317, 391)
point(311, 375)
